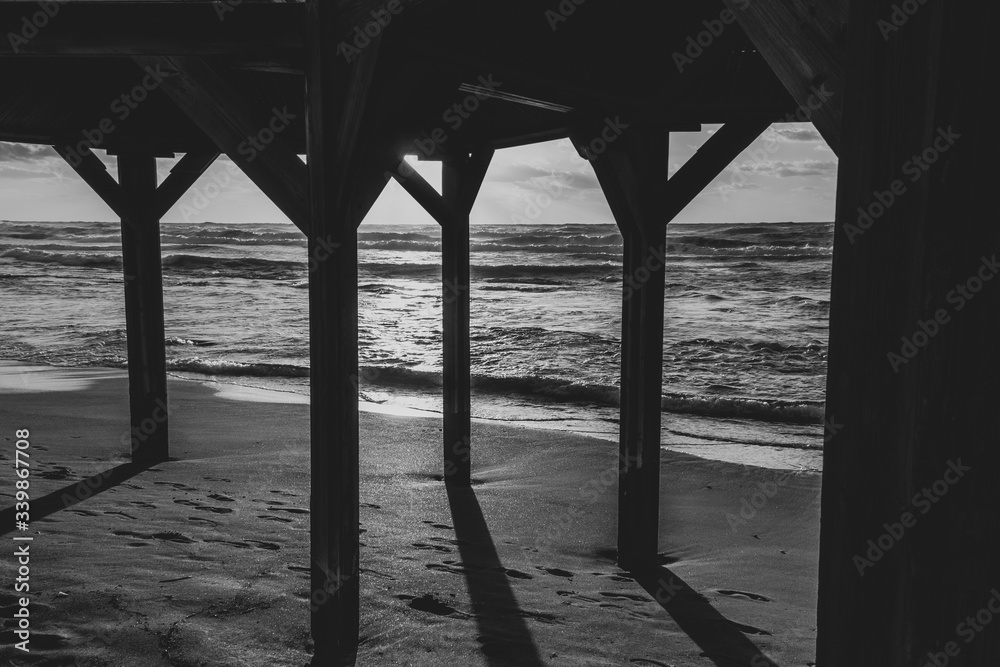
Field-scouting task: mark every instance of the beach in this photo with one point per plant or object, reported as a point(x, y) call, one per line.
point(203, 560)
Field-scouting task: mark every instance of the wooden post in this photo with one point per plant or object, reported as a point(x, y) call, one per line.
point(641, 388)
point(337, 95)
point(455, 331)
point(460, 180)
point(908, 545)
point(632, 171)
point(147, 365)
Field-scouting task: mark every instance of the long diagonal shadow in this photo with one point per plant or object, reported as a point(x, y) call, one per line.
point(56, 501)
point(722, 640)
point(502, 628)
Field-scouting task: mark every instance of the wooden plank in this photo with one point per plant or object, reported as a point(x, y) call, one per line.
point(183, 175)
point(337, 99)
point(804, 45)
point(461, 180)
point(249, 30)
point(908, 551)
point(147, 371)
point(224, 114)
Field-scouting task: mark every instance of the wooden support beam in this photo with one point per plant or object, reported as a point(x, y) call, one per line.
point(337, 99)
point(95, 174)
point(254, 31)
point(710, 160)
point(439, 208)
point(632, 171)
point(804, 45)
point(227, 117)
point(908, 548)
point(182, 176)
point(461, 180)
point(147, 370)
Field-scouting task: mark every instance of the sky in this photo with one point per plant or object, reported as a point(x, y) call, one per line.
point(787, 174)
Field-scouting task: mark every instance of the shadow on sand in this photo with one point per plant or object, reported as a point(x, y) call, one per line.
point(503, 633)
point(56, 501)
point(724, 642)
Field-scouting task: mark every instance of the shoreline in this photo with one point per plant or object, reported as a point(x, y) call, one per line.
point(774, 457)
point(204, 558)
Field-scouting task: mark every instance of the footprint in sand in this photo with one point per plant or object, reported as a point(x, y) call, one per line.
point(427, 602)
point(143, 504)
point(177, 485)
point(627, 596)
point(203, 508)
point(442, 526)
point(373, 506)
point(555, 571)
point(209, 521)
point(166, 537)
point(435, 547)
point(83, 512)
point(124, 514)
point(290, 510)
point(284, 493)
point(745, 596)
point(647, 661)
point(216, 510)
point(221, 498)
point(749, 629)
point(218, 479)
point(269, 517)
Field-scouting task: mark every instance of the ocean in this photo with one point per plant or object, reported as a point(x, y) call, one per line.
point(745, 336)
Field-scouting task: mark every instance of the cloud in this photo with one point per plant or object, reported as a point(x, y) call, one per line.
point(798, 134)
point(783, 169)
point(12, 152)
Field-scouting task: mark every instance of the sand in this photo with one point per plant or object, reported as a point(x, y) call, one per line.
point(203, 560)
